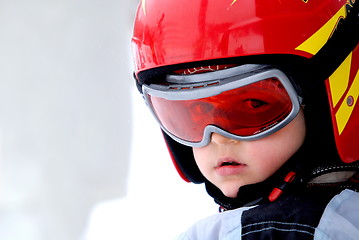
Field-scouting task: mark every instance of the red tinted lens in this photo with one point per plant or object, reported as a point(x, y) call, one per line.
point(243, 111)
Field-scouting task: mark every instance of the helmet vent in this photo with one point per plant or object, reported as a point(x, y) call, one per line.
point(192, 86)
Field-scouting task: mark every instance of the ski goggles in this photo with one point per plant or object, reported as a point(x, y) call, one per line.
point(247, 102)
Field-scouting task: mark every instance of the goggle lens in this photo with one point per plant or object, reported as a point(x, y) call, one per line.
point(244, 111)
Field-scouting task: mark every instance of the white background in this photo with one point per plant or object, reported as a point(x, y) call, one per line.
point(80, 155)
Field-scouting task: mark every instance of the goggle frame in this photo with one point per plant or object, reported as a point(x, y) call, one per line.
point(203, 85)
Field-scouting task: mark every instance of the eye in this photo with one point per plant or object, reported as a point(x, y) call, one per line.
point(255, 103)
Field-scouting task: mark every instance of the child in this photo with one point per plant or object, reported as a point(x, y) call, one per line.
point(257, 99)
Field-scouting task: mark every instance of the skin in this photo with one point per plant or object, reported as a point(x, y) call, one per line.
point(255, 160)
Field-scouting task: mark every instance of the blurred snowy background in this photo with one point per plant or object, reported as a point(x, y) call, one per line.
point(80, 156)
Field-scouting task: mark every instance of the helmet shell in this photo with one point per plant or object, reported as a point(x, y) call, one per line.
point(173, 32)
point(343, 92)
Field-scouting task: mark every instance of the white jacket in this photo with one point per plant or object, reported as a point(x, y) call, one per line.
point(340, 221)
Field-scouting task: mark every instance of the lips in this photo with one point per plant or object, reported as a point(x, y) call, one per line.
point(229, 166)
point(230, 163)
point(227, 161)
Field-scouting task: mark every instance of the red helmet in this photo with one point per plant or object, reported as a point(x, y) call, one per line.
point(169, 35)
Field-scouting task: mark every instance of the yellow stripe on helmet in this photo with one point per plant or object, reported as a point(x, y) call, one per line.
point(339, 80)
point(314, 43)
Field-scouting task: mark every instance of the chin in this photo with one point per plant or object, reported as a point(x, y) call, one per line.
point(231, 193)
point(231, 188)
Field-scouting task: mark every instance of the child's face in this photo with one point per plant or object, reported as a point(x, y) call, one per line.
point(231, 164)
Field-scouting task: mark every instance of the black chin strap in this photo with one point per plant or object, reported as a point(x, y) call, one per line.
point(254, 194)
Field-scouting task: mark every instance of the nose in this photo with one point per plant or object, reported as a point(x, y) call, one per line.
point(219, 139)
